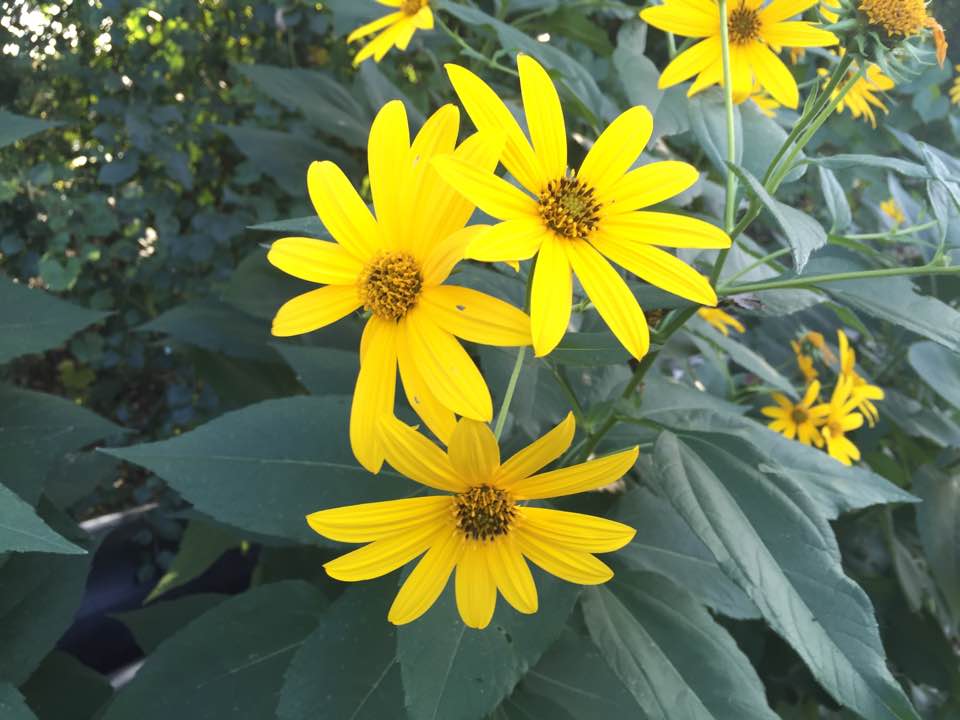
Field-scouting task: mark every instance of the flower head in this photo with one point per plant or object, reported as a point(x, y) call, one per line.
point(839, 417)
point(721, 320)
point(804, 362)
point(575, 221)
point(862, 98)
point(396, 28)
point(394, 266)
point(860, 390)
point(896, 17)
point(481, 526)
point(756, 36)
point(892, 210)
point(797, 420)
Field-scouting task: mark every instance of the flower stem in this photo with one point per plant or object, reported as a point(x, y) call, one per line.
point(765, 260)
point(470, 51)
point(815, 280)
point(508, 395)
point(730, 206)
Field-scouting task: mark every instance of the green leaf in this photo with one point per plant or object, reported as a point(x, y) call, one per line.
point(590, 349)
point(230, 659)
point(938, 521)
point(803, 233)
point(771, 540)
point(848, 161)
point(12, 704)
point(638, 74)
point(63, 688)
point(836, 198)
point(259, 289)
point(201, 545)
point(356, 647)
point(32, 321)
point(16, 127)
point(776, 303)
point(708, 118)
point(455, 673)
point(675, 660)
point(917, 420)
point(939, 368)
point(322, 370)
point(309, 226)
point(41, 594)
point(156, 622)
point(764, 137)
point(76, 475)
point(265, 467)
point(21, 530)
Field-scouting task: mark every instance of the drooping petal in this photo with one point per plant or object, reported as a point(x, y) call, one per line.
point(342, 211)
point(474, 452)
point(509, 241)
point(489, 114)
point(538, 454)
point(617, 149)
point(575, 531)
point(490, 193)
point(590, 475)
point(448, 252)
point(476, 316)
point(439, 418)
point(782, 9)
point(475, 589)
point(570, 565)
point(389, 168)
point(690, 62)
point(315, 309)
point(414, 456)
point(315, 261)
point(374, 394)
point(812, 393)
point(774, 76)
point(798, 34)
point(666, 229)
point(371, 521)
point(512, 575)
point(614, 301)
point(541, 105)
point(551, 297)
point(374, 25)
point(682, 19)
point(423, 20)
point(424, 585)
point(382, 556)
point(647, 185)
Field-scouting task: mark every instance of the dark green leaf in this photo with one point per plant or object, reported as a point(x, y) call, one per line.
point(63, 688)
point(259, 289)
point(590, 349)
point(16, 127)
point(12, 704)
point(309, 226)
point(938, 521)
point(21, 530)
point(939, 368)
point(201, 545)
point(708, 118)
point(153, 624)
point(836, 198)
point(763, 139)
point(845, 162)
point(322, 370)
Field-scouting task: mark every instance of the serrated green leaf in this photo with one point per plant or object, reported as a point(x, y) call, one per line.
point(156, 622)
point(939, 368)
point(21, 530)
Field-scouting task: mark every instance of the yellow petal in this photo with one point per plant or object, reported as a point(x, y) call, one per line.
point(537, 454)
point(387, 160)
point(414, 456)
point(617, 148)
point(435, 414)
point(442, 258)
point(782, 9)
point(372, 521)
point(575, 531)
point(424, 585)
point(612, 298)
point(490, 193)
point(315, 309)
point(774, 76)
point(647, 185)
point(476, 316)
point(423, 20)
point(382, 556)
point(509, 241)
point(374, 394)
point(742, 72)
point(475, 589)
point(541, 105)
point(798, 34)
point(590, 475)
point(512, 575)
point(474, 452)
point(375, 25)
point(315, 261)
point(852, 422)
point(453, 376)
point(685, 20)
point(690, 62)
point(551, 297)
point(576, 567)
point(657, 267)
point(666, 229)
point(489, 114)
point(342, 211)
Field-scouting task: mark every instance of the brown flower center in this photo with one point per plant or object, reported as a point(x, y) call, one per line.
point(896, 17)
point(412, 7)
point(743, 24)
point(569, 207)
point(799, 415)
point(390, 285)
point(484, 512)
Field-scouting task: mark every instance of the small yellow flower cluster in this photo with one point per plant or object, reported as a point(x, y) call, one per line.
point(892, 210)
point(826, 424)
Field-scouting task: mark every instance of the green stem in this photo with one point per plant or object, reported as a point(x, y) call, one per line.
point(508, 395)
point(730, 206)
point(816, 280)
point(470, 51)
point(912, 230)
point(765, 260)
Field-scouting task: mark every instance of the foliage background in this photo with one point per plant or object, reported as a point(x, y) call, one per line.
point(171, 130)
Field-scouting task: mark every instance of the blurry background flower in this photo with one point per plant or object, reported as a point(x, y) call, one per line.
point(395, 29)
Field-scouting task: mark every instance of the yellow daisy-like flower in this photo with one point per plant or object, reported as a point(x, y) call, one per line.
point(721, 320)
point(955, 88)
point(576, 221)
point(394, 265)
point(839, 417)
point(397, 28)
point(756, 35)
point(892, 210)
point(482, 527)
point(797, 421)
point(862, 98)
point(804, 363)
point(819, 342)
point(860, 390)
point(905, 18)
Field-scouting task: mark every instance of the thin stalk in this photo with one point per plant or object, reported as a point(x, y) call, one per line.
point(766, 259)
point(470, 50)
point(900, 232)
point(730, 205)
point(508, 395)
point(815, 280)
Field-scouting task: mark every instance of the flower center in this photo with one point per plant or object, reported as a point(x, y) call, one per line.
point(896, 17)
point(835, 428)
point(799, 415)
point(412, 7)
point(390, 285)
point(484, 512)
point(569, 207)
point(743, 24)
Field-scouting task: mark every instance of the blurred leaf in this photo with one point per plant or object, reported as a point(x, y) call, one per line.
point(708, 118)
point(379, 91)
point(121, 170)
point(76, 475)
point(575, 23)
point(21, 530)
point(938, 522)
point(846, 162)
point(16, 127)
point(309, 226)
point(770, 539)
point(202, 545)
point(675, 660)
point(230, 659)
point(265, 467)
point(153, 624)
point(32, 321)
point(939, 368)
point(835, 196)
point(763, 139)
point(590, 349)
point(12, 704)
point(917, 420)
point(63, 688)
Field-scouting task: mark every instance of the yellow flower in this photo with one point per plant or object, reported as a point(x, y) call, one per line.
point(768, 106)
point(398, 27)
point(862, 98)
point(861, 391)
point(905, 18)
point(394, 266)
point(829, 9)
point(797, 420)
point(482, 527)
point(804, 362)
point(817, 340)
point(721, 320)
point(755, 33)
point(574, 221)
point(955, 88)
point(892, 210)
point(838, 418)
